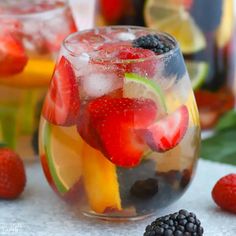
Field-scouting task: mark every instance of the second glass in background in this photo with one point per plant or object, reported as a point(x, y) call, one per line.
point(30, 36)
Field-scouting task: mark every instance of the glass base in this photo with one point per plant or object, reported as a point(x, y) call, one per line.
point(116, 218)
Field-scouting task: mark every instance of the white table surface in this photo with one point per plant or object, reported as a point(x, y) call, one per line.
point(38, 212)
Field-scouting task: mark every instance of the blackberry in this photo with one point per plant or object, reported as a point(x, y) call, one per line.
point(142, 188)
point(174, 63)
point(154, 43)
point(181, 223)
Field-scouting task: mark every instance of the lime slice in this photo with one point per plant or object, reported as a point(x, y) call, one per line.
point(136, 86)
point(62, 147)
point(171, 17)
point(197, 72)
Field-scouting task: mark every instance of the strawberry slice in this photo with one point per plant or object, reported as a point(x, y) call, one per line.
point(166, 133)
point(62, 103)
point(13, 58)
point(115, 121)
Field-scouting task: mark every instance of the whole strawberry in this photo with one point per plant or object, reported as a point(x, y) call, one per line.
point(224, 193)
point(12, 174)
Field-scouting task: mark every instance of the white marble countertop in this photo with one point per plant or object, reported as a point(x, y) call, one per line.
point(38, 212)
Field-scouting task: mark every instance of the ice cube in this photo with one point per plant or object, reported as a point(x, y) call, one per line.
point(125, 36)
point(79, 63)
point(99, 84)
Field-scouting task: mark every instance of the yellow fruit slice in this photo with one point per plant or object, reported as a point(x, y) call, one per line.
point(171, 17)
point(173, 101)
point(37, 73)
point(62, 147)
point(100, 181)
point(225, 31)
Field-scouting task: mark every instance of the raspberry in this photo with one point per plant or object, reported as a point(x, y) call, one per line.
point(224, 193)
point(179, 223)
point(12, 174)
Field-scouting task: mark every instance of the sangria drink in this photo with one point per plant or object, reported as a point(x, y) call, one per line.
point(119, 132)
point(30, 36)
point(205, 32)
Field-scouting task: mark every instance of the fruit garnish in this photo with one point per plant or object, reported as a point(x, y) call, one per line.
point(46, 170)
point(100, 180)
point(115, 121)
point(198, 72)
point(178, 223)
point(171, 17)
point(12, 174)
point(13, 58)
point(136, 86)
point(224, 193)
point(226, 28)
point(62, 103)
point(129, 59)
point(152, 42)
point(167, 132)
point(139, 183)
point(86, 130)
point(33, 69)
point(112, 10)
point(211, 12)
point(62, 148)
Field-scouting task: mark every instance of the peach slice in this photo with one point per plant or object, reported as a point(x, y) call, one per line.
point(100, 180)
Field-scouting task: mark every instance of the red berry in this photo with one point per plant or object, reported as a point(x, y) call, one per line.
point(224, 193)
point(146, 66)
point(166, 133)
point(62, 103)
point(13, 58)
point(115, 121)
point(129, 57)
point(12, 174)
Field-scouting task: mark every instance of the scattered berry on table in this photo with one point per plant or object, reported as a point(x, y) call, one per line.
point(177, 224)
point(12, 174)
point(224, 193)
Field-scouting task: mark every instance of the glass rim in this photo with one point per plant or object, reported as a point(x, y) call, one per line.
point(48, 12)
point(66, 43)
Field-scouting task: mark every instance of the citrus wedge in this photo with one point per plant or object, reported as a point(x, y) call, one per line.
point(171, 17)
point(62, 148)
point(136, 86)
point(100, 180)
point(197, 72)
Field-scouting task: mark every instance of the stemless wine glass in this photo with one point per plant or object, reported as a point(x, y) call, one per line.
point(119, 132)
point(30, 36)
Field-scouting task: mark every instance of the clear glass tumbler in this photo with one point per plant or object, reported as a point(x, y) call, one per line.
point(119, 132)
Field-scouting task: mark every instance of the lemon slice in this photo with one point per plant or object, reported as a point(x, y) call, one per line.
point(225, 30)
point(197, 72)
point(63, 146)
point(170, 17)
point(136, 86)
